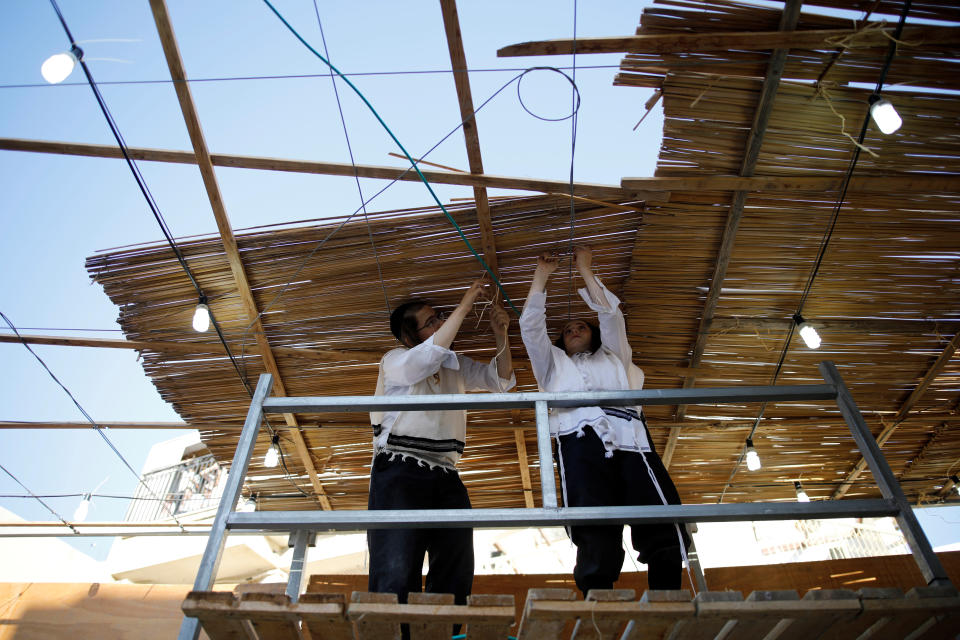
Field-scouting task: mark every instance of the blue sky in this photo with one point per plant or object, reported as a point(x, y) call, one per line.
point(58, 210)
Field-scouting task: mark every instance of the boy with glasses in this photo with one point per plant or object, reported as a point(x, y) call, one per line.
point(416, 452)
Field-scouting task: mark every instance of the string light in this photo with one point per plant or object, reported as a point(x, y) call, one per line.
point(884, 114)
point(82, 509)
point(273, 453)
point(201, 316)
point(801, 494)
point(807, 332)
point(59, 66)
point(753, 458)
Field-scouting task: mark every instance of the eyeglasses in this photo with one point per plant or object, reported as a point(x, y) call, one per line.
point(433, 321)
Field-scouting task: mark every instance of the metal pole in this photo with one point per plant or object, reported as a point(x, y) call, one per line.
point(300, 540)
point(207, 573)
point(694, 559)
point(927, 560)
point(548, 486)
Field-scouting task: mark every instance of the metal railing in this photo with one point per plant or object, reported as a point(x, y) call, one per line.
point(301, 524)
point(186, 487)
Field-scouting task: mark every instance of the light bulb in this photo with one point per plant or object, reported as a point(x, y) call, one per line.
point(273, 454)
point(956, 483)
point(808, 333)
point(753, 458)
point(201, 318)
point(82, 509)
point(59, 66)
point(248, 505)
point(801, 494)
point(885, 115)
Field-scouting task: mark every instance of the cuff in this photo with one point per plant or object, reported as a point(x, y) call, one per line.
point(613, 302)
point(446, 357)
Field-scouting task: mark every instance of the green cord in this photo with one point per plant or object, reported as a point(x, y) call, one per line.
point(409, 157)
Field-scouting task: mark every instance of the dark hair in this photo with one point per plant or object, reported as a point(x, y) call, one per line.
point(594, 336)
point(403, 322)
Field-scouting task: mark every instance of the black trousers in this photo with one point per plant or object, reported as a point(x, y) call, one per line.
point(591, 479)
point(396, 555)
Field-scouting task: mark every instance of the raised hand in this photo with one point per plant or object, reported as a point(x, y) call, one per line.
point(546, 263)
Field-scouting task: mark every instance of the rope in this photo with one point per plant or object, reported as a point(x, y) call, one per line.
point(405, 152)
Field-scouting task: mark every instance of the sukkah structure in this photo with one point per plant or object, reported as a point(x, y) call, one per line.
point(713, 257)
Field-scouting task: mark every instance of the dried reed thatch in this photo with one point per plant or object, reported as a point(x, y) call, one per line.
point(885, 298)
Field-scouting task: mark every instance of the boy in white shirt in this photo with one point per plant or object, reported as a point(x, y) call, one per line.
point(604, 453)
point(416, 452)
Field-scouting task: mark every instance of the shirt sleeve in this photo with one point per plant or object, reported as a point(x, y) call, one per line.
point(533, 332)
point(613, 328)
point(405, 367)
point(484, 377)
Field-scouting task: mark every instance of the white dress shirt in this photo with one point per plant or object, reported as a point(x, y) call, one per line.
point(433, 437)
point(610, 368)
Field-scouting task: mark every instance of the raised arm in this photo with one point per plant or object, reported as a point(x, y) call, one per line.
point(533, 321)
point(583, 256)
point(613, 329)
point(500, 324)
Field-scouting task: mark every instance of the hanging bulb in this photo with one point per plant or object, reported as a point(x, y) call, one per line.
point(59, 66)
point(753, 458)
point(810, 336)
point(884, 114)
point(956, 483)
point(801, 494)
point(82, 509)
point(201, 316)
point(273, 453)
point(248, 505)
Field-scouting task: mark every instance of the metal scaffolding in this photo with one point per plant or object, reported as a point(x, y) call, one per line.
point(301, 524)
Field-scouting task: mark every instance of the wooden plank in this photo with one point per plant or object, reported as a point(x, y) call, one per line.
point(270, 614)
point(493, 630)
point(537, 622)
point(662, 612)
point(826, 608)
point(214, 610)
point(522, 459)
point(585, 189)
point(761, 613)
point(192, 348)
point(723, 41)
point(430, 629)
point(929, 183)
point(174, 62)
point(712, 615)
point(788, 21)
point(932, 373)
point(923, 613)
point(370, 627)
point(324, 616)
point(601, 627)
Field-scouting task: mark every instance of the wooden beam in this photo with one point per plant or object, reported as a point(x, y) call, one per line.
point(205, 164)
point(458, 61)
point(328, 168)
point(724, 41)
point(193, 348)
point(935, 370)
point(922, 182)
point(830, 325)
point(788, 21)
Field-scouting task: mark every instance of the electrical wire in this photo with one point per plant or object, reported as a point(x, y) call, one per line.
point(356, 174)
point(517, 78)
point(44, 85)
point(38, 499)
point(573, 150)
point(405, 152)
point(828, 235)
point(83, 411)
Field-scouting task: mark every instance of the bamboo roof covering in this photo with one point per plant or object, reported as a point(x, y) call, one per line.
point(885, 298)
